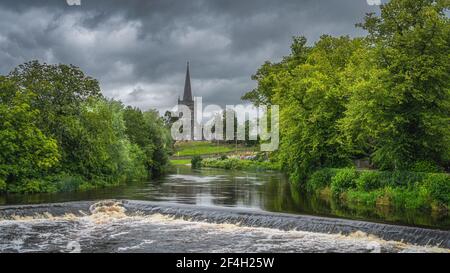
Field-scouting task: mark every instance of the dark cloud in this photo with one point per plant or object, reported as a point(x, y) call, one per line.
point(138, 49)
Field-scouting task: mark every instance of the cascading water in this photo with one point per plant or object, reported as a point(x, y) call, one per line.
point(141, 226)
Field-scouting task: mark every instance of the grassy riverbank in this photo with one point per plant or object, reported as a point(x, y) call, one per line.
point(185, 151)
point(239, 164)
point(192, 148)
point(364, 188)
point(396, 189)
point(180, 161)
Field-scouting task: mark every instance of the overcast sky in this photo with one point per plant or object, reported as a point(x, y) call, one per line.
point(138, 49)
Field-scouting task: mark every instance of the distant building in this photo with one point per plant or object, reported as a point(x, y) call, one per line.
point(188, 100)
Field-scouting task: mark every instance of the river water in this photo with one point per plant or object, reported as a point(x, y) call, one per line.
point(211, 210)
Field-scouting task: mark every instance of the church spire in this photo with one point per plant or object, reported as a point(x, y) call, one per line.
point(187, 96)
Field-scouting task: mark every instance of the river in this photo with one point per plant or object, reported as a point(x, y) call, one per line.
point(210, 210)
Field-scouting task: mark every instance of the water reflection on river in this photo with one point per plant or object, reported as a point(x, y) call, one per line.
point(268, 191)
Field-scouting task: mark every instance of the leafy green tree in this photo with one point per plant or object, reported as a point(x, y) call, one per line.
point(265, 76)
point(103, 150)
point(25, 152)
point(148, 131)
point(400, 110)
point(311, 101)
point(161, 139)
point(249, 127)
point(385, 96)
point(60, 92)
point(59, 133)
point(228, 113)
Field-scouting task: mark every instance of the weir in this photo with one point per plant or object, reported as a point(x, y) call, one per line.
point(244, 217)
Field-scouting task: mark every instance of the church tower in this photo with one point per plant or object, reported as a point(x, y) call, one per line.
point(187, 99)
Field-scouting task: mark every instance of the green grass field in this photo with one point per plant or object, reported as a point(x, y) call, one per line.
point(180, 161)
point(203, 148)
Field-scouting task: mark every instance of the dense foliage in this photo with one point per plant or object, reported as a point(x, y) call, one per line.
point(57, 132)
point(196, 162)
point(384, 97)
point(400, 189)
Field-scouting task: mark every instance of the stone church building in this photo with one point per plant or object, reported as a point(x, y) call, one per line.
point(188, 99)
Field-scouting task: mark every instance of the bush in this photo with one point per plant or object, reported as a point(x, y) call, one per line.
point(239, 164)
point(232, 164)
point(369, 180)
point(261, 156)
point(399, 189)
point(196, 162)
point(403, 178)
point(320, 179)
point(67, 182)
point(29, 186)
point(86, 186)
point(224, 157)
point(363, 197)
point(426, 167)
point(408, 198)
point(343, 180)
point(439, 187)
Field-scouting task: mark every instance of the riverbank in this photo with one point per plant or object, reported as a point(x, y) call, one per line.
point(180, 161)
point(60, 183)
point(239, 164)
point(364, 189)
point(184, 150)
point(370, 188)
point(209, 152)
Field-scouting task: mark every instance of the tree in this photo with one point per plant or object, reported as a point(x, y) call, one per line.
point(161, 139)
point(307, 86)
point(385, 96)
point(60, 92)
point(312, 100)
point(25, 152)
point(401, 112)
point(148, 131)
point(263, 93)
point(58, 132)
point(227, 114)
point(103, 150)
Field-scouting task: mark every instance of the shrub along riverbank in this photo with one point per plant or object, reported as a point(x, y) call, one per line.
point(239, 164)
point(398, 189)
point(365, 188)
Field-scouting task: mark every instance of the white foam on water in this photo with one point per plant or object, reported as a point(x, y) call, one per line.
point(194, 178)
point(134, 247)
point(110, 229)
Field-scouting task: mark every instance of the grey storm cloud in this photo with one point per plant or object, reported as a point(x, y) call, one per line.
point(138, 49)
